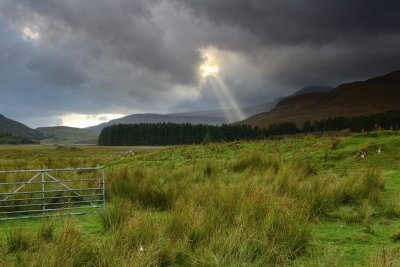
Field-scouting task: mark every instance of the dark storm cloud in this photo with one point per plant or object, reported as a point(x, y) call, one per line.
point(122, 28)
point(91, 57)
point(124, 56)
point(306, 21)
point(303, 41)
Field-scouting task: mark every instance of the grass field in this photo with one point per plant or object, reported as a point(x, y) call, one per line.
point(299, 201)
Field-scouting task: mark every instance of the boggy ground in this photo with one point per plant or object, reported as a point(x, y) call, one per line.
point(299, 201)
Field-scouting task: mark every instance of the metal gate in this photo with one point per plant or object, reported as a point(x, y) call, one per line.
point(50, 192)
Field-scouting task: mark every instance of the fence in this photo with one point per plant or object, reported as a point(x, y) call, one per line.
point(50, 192)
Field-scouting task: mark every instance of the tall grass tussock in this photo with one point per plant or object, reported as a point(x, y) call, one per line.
point(234, 207)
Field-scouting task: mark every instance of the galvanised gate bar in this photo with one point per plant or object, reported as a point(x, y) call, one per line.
point(50, 192)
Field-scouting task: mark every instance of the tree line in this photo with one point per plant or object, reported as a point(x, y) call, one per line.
point(11, 139)
point(387, 120)
point(365, 123)
point(174, 134)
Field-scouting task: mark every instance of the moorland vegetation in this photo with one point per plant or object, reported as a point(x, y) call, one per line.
point(299, 201)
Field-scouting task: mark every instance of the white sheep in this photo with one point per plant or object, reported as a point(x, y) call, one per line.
point(361, 154)
point(129, 153)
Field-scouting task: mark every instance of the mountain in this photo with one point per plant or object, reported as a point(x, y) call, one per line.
point(67, 135)
point(312, 89)
point(251, 110)
point(212, 117)
point(372, 96)
point(192, 117)
point(18, 129)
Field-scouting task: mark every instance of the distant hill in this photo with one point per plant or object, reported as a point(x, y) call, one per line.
point(12, 131)
point(372, 96)
point(157, 118)
point(18, 129)
point(211, 117)
point(67, 135)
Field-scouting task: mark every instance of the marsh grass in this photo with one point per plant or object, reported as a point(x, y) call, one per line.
point(46, 230)
point(324, 193)
point(348, 214)
point(386, 258)
point(142, 186)
point(238, 216)
point(330, 255)
point(217, 205)
point(390, 207)
point(256, 161)
point(253, 211)
point(210, 169)
point(67, 248)
point(18, 240)
point(116, 213)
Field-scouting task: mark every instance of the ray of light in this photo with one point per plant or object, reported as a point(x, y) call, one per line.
point(232, 111)
point(209, 71)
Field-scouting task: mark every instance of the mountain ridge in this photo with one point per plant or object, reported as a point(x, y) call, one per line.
point(13, 127)
point(213, 117)
point(374, 95)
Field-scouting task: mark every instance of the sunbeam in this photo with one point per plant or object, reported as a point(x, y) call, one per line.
point(210, 73)
point(232, 110)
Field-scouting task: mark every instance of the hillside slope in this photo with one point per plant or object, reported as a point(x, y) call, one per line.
point(67, 135)
point(157, 118)
point(16, 128)
point(312, 89)
point(212, 117)
point(351, 99)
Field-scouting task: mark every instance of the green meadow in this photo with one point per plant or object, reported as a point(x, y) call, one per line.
point(296, 201)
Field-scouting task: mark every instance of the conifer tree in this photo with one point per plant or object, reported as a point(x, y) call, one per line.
point(207, 138)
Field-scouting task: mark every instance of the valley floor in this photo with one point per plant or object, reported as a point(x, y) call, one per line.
point(299, 201)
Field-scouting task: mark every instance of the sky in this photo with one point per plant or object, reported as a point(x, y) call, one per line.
point(83, 62)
